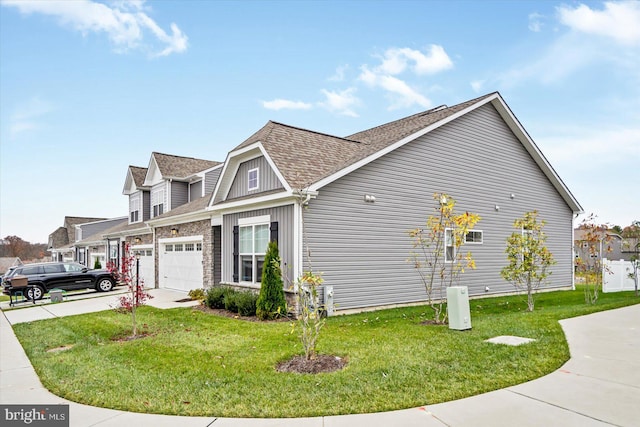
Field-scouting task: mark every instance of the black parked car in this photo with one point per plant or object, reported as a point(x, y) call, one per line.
point(59, 275)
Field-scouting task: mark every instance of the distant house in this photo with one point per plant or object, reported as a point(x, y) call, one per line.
point(8, 262)
point(61, 239)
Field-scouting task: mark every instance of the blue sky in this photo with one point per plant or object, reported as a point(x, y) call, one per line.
point(88, 88)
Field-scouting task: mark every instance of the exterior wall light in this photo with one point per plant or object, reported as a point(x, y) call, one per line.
point(174, 231)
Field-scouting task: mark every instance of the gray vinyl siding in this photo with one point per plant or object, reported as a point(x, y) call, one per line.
point(362, 248)
point(195, 191)
point(211, 179)
point(285, 218)
point(267, 179)
point(97, 227)
point(146, 205)
point(179, 193)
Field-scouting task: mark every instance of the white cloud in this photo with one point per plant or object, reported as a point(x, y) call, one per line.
point(477, 85)
point(341, 102)
point(27, 117)
point(338, 76)
point(285, 104)
point(580, 146)
point(535, 22)
point(395, 61)
point(125, 23)
point(619, 21)
point(400, 93)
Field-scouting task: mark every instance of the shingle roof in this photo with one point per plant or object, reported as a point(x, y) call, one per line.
point(193, 206)
point(180, 167)
point(138, 173)
point(293, 150)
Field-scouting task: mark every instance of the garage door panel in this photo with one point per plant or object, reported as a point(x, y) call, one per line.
point(181, 265)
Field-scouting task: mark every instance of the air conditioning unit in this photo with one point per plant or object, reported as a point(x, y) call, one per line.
point(458, 308)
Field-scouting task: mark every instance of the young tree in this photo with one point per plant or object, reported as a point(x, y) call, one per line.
point(271, 302)
point(136, 296)
point(591, 247)
point(436, 256)
point(310, 317)
point(529, 259)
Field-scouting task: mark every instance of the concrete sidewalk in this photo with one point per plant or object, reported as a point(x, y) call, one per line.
point(598, 386)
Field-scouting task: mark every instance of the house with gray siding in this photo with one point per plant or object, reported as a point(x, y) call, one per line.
point(342, 206)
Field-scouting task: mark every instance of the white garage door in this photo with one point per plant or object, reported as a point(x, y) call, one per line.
point(180, 264)
point(147, 267)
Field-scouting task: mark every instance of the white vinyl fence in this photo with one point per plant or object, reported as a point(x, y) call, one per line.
point(615, 277)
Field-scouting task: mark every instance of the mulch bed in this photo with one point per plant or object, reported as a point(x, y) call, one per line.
point(232, 315)
point(322, 363)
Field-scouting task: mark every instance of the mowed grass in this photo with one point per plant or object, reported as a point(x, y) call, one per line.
point(196, 363)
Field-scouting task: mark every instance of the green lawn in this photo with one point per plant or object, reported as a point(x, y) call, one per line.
point(195, 363)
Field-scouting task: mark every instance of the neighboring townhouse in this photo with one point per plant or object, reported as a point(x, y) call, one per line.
point(61, 239)
point(170, 187)
point(343, 206)
point(94, 246)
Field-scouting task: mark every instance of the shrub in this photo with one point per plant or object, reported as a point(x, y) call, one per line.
point(97, 265)
point(271, 302)
point(215, 296)
point(197, 294)
point(246, 303)
point(230, 299)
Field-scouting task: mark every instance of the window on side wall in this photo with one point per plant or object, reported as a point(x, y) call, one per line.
point(449, 246)
point(473, 237)
point(253, 179)
point(253, 241)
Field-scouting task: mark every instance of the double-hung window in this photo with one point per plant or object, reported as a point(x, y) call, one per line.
point(157, 201)
point(253, 241)
point(134, 208)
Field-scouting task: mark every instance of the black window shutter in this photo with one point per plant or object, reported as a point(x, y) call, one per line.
point(274, 232)
point(236, 255)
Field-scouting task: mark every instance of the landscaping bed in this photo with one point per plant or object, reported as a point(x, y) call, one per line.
point(197, 362)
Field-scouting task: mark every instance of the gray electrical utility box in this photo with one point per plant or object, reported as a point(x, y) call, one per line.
point(458, 308)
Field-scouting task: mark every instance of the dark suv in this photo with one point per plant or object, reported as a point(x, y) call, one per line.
point(60, 275)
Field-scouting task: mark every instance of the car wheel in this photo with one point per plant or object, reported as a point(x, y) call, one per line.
point(35, 293)
point(104, 284)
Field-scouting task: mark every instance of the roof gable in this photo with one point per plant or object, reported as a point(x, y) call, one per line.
point(135, 180)
point(167, 166)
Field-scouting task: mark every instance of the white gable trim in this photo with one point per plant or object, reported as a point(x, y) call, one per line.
point(509, 119)
point(232, 164)
point(153, 176)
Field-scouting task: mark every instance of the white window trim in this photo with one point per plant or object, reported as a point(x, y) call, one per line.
point(252, 222)
point(257, 171)
point(264, 219)
point(474, 243)
point(446, 260)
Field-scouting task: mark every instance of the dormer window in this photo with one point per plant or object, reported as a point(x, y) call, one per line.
point(253, 178)
point(157, 201)
point(134, 208)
